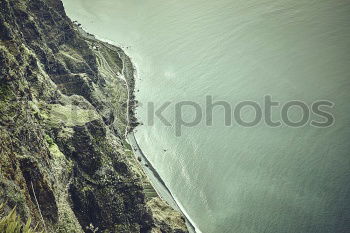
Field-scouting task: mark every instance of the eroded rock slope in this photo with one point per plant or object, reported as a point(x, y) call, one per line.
point(64, 113)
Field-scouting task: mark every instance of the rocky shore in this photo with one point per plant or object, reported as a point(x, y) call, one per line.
point(66, 102)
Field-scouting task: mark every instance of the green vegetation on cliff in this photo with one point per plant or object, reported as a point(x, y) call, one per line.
point(11, 223)
point(64, 159)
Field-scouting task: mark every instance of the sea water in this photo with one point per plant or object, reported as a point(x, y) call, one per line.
point(235, 178)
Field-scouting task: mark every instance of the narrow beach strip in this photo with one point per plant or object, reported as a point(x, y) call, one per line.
point(157, 182)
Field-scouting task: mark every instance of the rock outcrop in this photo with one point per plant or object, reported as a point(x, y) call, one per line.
point(66, 102)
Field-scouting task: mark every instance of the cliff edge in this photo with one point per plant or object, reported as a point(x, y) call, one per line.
point(66, 102)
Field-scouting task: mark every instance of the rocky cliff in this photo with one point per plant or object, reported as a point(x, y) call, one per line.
point(66, 102)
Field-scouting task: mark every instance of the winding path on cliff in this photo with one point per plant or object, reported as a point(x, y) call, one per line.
point(105, 66)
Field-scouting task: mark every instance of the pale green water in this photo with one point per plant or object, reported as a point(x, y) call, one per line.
point(235, 179)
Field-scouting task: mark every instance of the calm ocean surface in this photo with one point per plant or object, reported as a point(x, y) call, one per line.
point(237, 179)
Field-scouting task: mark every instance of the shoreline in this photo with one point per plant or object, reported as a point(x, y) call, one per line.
point(157, 182)
point(129, 72)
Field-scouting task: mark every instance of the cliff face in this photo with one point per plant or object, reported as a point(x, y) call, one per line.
point(65, 108)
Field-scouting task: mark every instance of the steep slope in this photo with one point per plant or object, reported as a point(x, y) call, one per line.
point(66, 101)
